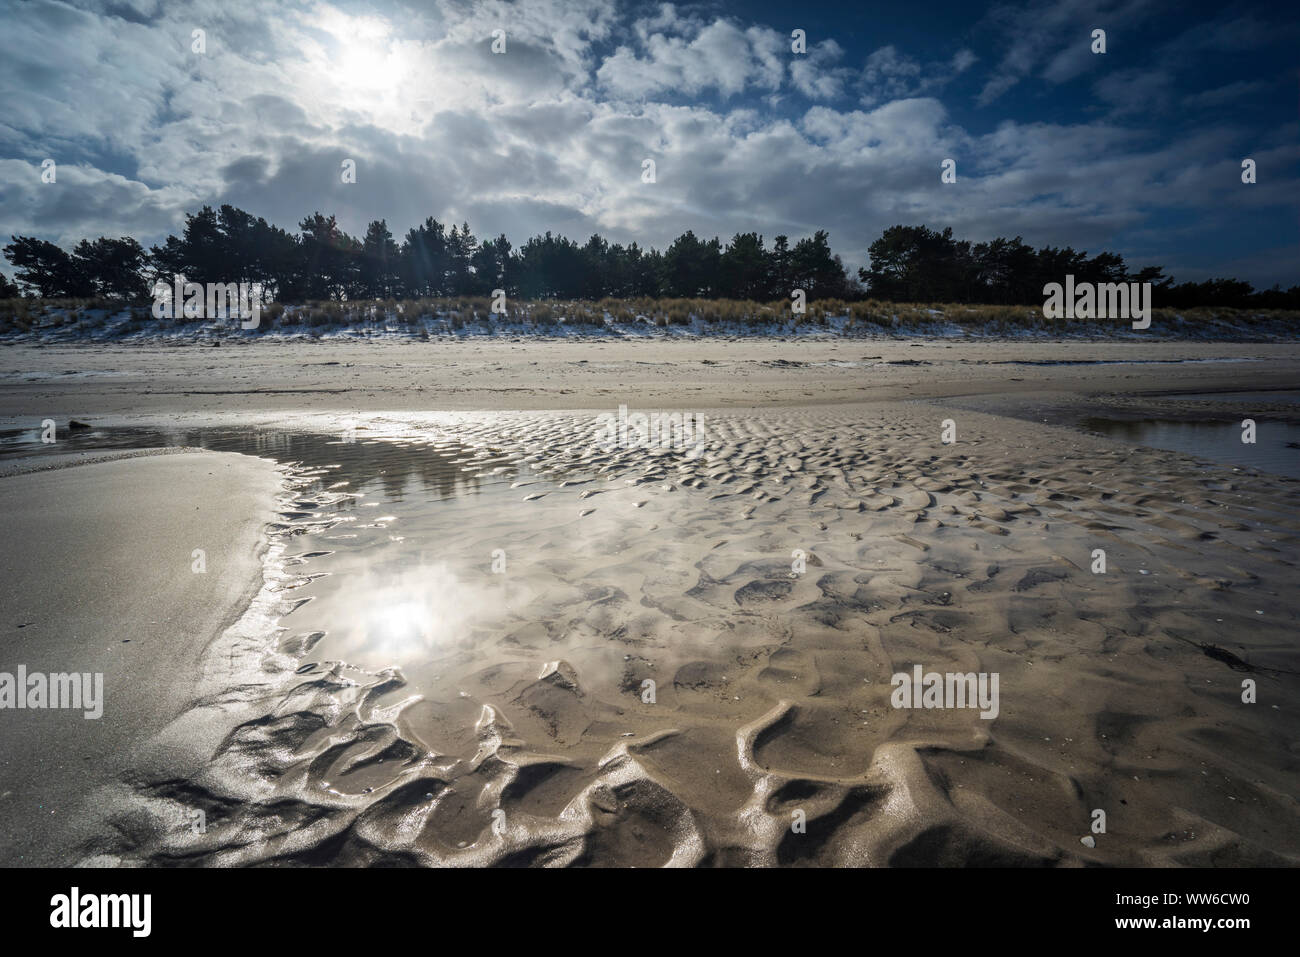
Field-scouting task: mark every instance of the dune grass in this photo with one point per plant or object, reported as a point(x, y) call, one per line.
point(430, 317)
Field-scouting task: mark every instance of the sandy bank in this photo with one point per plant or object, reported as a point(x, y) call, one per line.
point(97, 577)
point(269, 377)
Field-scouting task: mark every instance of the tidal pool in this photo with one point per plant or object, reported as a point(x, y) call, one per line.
point(1276, 447)
point(377, 532)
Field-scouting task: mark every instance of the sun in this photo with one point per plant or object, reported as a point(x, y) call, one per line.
point(363, 68)
point(364, 60)
point(369, 66)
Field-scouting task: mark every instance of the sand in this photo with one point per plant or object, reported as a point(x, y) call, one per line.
point(97, 577)
point(502, 719)
point(384, 375)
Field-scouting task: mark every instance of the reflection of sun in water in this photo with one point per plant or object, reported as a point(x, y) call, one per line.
point(400, 624)
point(416, 613)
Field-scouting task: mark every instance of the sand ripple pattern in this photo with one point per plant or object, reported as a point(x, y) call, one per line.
point(526, 741)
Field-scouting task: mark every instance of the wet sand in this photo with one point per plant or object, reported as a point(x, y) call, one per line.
point(501, 717)
point(97, 577)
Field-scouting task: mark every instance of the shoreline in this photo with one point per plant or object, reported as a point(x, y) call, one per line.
point(104, 583)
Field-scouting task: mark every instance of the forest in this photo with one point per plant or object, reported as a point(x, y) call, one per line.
point(321, 262)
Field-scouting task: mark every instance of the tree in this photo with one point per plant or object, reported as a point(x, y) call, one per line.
point(330, 259)
point(780, 271)
point(114, 268)
point(424, 259)
point(745, 268)
point(213, 247)
point(379, 268)
point(1003, 271)
point(912, 263)
point(200, 254)
point(492, 266)
point(688, 267)
point(816, 269)
point(550, 267)
point(597, 262)
point(461, 247)
point(46, 268)
point(280, 263)
point(644, 271)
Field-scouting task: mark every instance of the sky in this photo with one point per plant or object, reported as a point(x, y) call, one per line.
point(1137, 150)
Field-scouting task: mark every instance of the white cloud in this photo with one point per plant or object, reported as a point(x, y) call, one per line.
point(963, 60)
point(551, 134)
point(815, 75)
point(889, 74)
point(717, 56)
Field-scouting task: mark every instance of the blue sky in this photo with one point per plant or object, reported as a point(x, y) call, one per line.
point(1138, 150)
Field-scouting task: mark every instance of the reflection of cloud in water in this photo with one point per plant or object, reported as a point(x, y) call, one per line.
point(445, 467)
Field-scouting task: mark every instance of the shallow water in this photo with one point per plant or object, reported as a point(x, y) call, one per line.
point(375, 519)
point(391, 465)
point(1282, 395)
point(431, 692)
point(1276, 448)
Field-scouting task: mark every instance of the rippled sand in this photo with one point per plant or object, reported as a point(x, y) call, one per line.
point(416, 706)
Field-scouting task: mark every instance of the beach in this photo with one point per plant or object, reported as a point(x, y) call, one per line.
point(443, 624)
point(260, 377)
point(99, 578)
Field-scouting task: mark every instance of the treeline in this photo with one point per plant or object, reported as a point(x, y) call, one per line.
point(917, 264)
point(322, 262)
